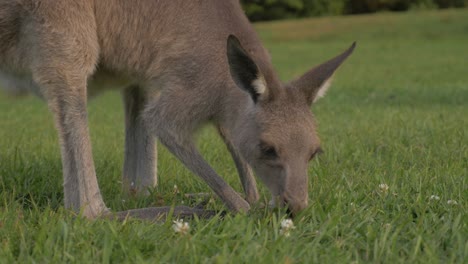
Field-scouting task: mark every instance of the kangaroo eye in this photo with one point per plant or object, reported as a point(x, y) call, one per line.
point(268, 152)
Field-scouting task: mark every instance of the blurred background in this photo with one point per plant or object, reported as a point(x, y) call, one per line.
point(261, 10)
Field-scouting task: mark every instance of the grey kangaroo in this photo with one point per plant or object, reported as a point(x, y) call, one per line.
point(180, 64)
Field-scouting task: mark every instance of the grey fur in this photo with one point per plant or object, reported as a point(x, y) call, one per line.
point(172, 58)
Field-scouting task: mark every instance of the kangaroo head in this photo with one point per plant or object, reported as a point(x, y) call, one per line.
point(277, 135)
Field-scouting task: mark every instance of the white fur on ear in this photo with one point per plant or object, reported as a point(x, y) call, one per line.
point(259, 85)
point(323, 89)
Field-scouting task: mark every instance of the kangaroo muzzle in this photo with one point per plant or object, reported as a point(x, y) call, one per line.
point(296, 204)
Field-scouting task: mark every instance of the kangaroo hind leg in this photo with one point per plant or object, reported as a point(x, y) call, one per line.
point(65, 50)
point(140, 165)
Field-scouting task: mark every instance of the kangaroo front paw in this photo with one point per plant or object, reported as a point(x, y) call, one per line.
point(239, 205)
point(234, 201)
point(252, 197)
point(243, 207)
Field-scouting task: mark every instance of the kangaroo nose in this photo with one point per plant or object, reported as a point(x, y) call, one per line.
point(295, 206)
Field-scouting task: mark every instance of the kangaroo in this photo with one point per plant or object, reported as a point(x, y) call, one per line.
point(179, 64)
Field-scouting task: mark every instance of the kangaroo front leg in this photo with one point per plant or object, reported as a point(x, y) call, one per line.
point(67, 101)
point(140, 166)
point(193, 160)
point(245, 172)
point(175, 134)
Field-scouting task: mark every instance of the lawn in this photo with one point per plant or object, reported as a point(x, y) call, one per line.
point(396, 115)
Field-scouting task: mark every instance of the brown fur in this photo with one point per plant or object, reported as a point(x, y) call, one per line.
point(171, 58)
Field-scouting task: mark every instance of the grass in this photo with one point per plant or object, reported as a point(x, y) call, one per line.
point(396, 114)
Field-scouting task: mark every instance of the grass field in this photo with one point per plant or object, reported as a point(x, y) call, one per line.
point(397, 114)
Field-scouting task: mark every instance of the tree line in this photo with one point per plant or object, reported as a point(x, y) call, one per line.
point(258, 10)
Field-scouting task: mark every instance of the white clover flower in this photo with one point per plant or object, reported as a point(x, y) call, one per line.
point(181, 227)
point(434, 197)
point(287, 223)
point(383, 187)
point(452, 202)
point(176, 189)
point(286, 226)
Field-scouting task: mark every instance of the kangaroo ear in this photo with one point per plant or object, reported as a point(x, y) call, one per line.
point(244, 71)
point(315, 82)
